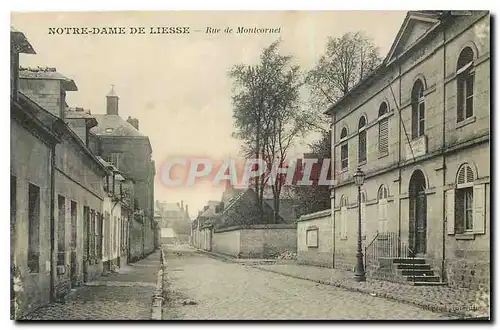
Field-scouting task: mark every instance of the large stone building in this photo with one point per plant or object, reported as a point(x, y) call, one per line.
point(419, 128)
point(119, 142)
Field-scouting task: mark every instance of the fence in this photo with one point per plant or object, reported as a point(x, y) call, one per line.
point(387, 245)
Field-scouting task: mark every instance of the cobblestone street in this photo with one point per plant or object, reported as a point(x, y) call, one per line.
point(200, 287)
point(123, 296)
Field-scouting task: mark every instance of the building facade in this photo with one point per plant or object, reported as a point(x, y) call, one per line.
point(419, 128)
point(120, 143)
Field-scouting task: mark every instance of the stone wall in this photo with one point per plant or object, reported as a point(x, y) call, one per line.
point(255, 241)
point(322, 255)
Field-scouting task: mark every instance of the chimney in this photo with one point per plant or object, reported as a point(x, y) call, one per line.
point(134, 122)
point(187, 211)
point(112, 102)
point(182, 205)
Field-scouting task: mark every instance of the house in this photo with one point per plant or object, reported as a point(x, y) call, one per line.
point(78, 181)
point(120, 143)
point(419, 128)
point(176, 217)
point(32, 146)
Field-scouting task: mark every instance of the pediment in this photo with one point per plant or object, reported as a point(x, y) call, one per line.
point(414, 27)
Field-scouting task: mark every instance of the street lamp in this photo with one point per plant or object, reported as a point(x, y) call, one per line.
point(359, 275)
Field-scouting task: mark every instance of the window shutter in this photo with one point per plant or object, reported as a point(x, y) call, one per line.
point(384, 208)
point(363, 219)
point(380, 217)
point(383, 138)
point(344, 222)
point(450, 211)
point(479, 209)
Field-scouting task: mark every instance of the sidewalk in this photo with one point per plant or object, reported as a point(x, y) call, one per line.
point(126, 295)
point(467, 303)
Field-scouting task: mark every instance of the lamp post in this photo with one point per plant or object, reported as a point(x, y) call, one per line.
point(359, 275)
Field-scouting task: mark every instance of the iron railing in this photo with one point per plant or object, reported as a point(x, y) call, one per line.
point(386, 245)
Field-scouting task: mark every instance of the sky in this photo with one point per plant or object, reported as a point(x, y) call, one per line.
point(177, 85)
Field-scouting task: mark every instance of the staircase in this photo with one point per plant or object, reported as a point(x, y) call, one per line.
point(416, 271)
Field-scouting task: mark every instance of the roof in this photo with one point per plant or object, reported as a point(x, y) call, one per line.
point(19, 42)
point(114, 125)
point(171, 207)
point(287, 209)
point(47, 74)
point(50, 120)
point(428, 16)
point(74, 113)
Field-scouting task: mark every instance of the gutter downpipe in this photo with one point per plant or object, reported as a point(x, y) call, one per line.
point(52, 223)
point(332, 190)
point(443, 257)
point(399, 163)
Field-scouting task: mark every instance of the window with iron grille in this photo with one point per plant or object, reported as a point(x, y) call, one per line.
point(362, 140)
point(344, 151)
point(418, 110)
point(383, 129)
point(465, 85)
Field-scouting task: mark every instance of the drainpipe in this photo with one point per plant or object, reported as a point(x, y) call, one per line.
point(399, 163)
point(52, 223)
point(332, 191)
point(443, 257)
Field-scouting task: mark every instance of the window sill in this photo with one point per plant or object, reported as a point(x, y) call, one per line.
point(362, 163)
point(466, 122)
point(312, 247)
point(464, 236)
point(343, 238)
point(382, 155)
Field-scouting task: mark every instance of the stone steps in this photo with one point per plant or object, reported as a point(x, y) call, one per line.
point(417, 271)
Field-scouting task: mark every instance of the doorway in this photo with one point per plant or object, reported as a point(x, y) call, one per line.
point(418, 214)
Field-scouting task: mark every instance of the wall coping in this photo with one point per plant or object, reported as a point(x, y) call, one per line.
point(315, 215)
point(258, 226)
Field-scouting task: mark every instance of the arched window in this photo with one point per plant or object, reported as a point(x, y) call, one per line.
point(382, 195)
point(344, 151)
point(465, 84)
point(362, 139)
point(464, 199)
point(383, 129)
point(383, 192)
point(343, 217)
point(418, 110)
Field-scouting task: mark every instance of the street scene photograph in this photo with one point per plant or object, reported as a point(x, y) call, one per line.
point(250, 165)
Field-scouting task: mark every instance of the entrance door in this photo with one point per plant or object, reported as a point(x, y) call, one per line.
point(418, 214)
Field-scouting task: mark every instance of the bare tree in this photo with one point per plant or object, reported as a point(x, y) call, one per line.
point(267, 114)
point(346, 61)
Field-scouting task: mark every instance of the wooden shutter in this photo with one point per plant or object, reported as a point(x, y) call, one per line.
point(450, 211)
point(380, 216)
point(363, 219)
point(383, 136)
point(479, 209)
point(343, 215)
point(384, 210)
